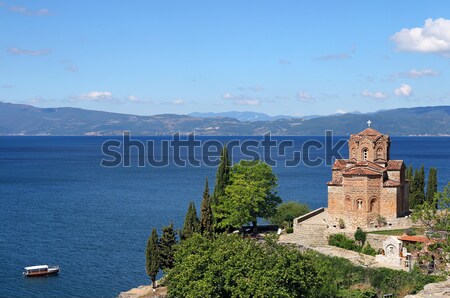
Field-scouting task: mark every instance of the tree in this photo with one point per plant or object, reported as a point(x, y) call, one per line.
point(230, 266)
point(206, 214)
point(152, 257)
point(251, 194)
point(222, 180)
point(360, 236)
point(435, 216)
point(417, 193)
point(166, 247)
point(409, 173)
point(431, 185)
point(286, 212)
point(222, 175)
point(191, 223)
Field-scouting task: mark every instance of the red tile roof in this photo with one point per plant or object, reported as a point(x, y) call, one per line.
point(336, 182)
point(394, 165)
point(362, 171)
point(391, 183)
point(370, 132)
point(422, 239)
point(339, 164)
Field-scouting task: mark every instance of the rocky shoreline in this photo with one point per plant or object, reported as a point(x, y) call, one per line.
point(144, 292)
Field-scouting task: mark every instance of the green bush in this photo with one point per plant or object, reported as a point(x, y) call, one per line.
point(290, 230)
point(369, 250)
point(368, 293)
point(360, 236)
point(286, 212)
point(410, 232)
point(340, 240)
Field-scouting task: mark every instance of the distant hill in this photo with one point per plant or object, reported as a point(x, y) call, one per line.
point(16, 119)
point(242, 116)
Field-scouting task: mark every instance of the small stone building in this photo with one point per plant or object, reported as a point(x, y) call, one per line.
point(368, 185)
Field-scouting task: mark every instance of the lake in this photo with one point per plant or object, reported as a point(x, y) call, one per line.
point(59, 206)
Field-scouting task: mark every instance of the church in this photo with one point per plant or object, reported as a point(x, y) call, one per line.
point(368, 187)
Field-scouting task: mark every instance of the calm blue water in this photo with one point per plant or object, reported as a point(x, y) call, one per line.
point(59, 206)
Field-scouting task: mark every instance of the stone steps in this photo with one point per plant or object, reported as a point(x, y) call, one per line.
point(307, 235)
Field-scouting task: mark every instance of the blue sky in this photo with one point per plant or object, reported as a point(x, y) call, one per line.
point(275, 57)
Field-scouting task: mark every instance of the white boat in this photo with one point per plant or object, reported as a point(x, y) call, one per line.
point(40, 270)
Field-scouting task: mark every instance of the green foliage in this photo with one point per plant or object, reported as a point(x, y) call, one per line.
point(206, 214)
point(368, 250)
point(286, 212)
point(360, 236)
point(342, 241)
point(222, 180)
point(417, 188)
point(229, 266)
point(191, 223)
point(289, 230)
point(409, 173)
point(435, 216)
point(431, 185)
point(410, 232)
point(251, 194)
point(356, 293)
point(152, 257)
point(222, 176)
point(167, 247)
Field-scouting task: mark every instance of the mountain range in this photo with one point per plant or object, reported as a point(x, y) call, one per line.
point(19, 119)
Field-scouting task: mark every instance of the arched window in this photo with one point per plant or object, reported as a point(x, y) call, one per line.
point(373, 205)
point(379, 153)
point(365, 154)
point(348, 204)
point(359, 204)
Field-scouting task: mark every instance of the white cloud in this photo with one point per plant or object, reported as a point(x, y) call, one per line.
point(415, 74)
point(305, 97)
point(433, 37)
point(177, 102)
point(228, 96)
point(248, 102)
point(376, 94)
point(403, 90)
point(95, 96)
point(340, 111)
point(18, 51)
point(30, 12)
point(242, 99)
point(135, 99)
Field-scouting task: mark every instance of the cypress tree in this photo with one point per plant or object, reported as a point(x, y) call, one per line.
point(421, 184)
point(191, 223)
point(222, 176)
point(152, 257)
point(431, 185)
point(206, 214)
point(166, 247)
point(417, 193)
point(409, 172)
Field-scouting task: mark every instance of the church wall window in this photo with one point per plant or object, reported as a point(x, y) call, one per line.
point(365, 154)
point(359, 204)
